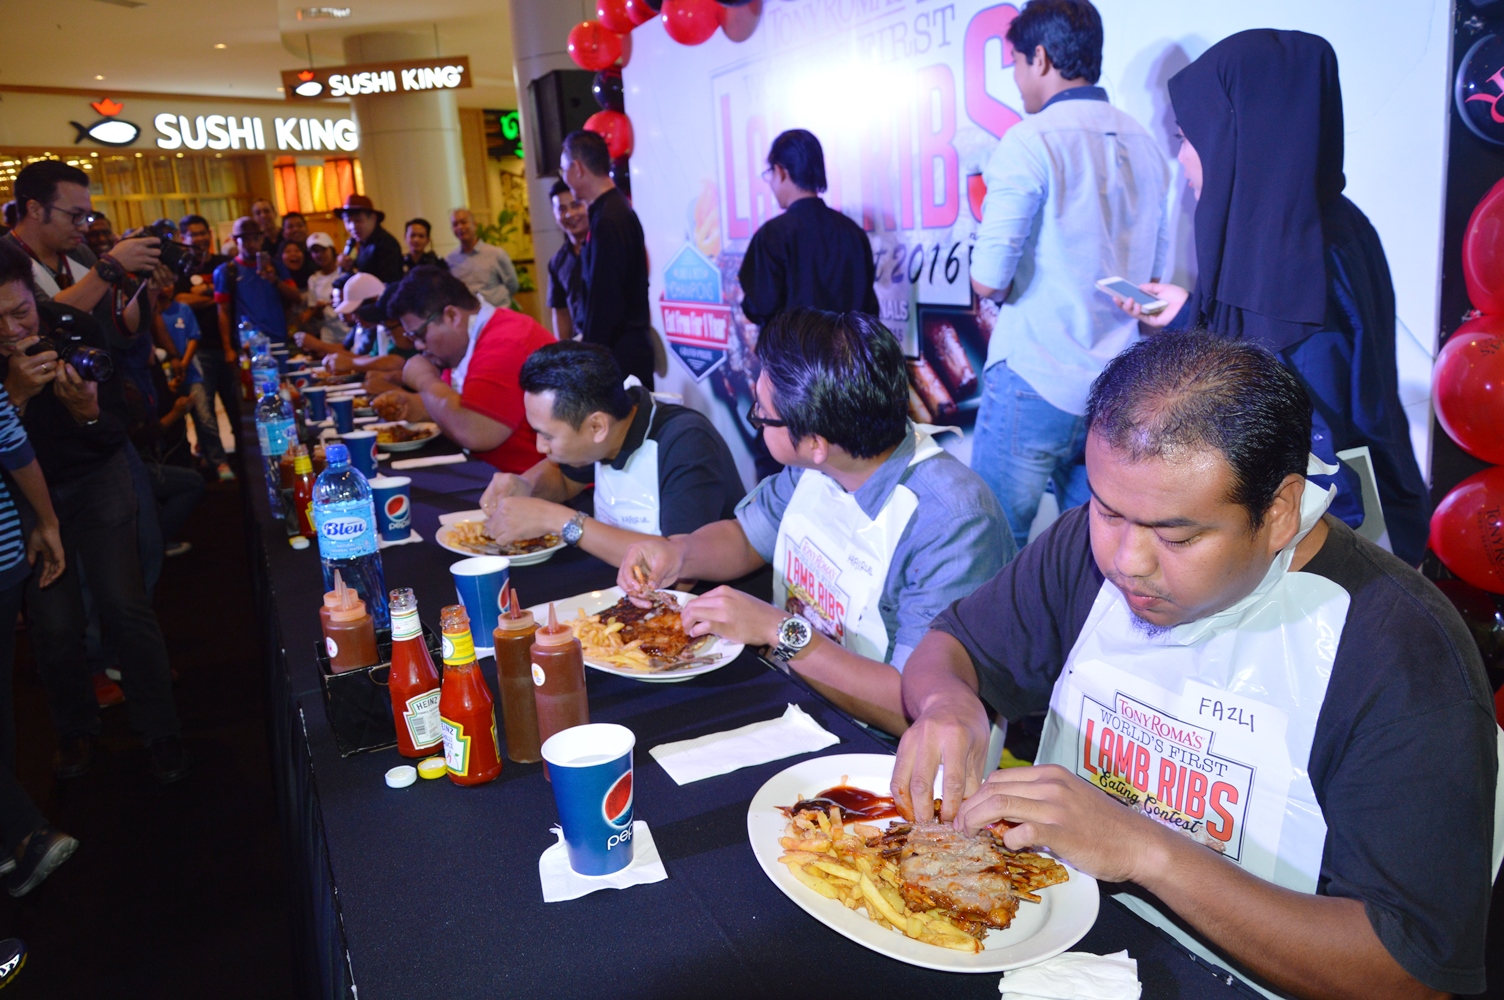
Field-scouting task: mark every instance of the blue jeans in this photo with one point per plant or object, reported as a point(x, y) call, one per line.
point(1022, 444)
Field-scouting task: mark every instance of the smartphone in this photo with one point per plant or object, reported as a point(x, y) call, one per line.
point(1125, 289)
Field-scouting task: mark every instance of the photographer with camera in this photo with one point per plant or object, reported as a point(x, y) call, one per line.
point(56, 367)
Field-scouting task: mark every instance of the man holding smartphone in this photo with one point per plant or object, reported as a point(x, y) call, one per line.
point(247, 289)
point(1075, 193)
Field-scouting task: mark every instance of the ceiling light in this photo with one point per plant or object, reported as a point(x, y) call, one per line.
point(281, 90)
point(322, 13)
point(219, 45)
point(127, 4)
point(98, 77)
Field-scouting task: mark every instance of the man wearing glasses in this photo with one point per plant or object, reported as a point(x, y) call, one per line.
point(466, 378)
point(811, 255)
point(871, 529)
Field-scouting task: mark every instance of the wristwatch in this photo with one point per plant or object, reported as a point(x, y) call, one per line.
point(573, 530)
point(109, 269)
point(794, 633)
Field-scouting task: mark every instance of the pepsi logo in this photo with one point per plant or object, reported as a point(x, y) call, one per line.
point(397, 508)
point(617, 805)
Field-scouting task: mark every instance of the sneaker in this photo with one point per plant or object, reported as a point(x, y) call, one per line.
point(177, 549)
point(46, 849)
point(74, 754)
point(169, 759)
point(107, 692)
point(226, 474)
point(7, 865)
point(12, 957)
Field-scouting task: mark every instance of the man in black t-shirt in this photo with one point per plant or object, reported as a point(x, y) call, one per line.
point(566, 280)
point(658, 468)
point(1219, 656)
point(217, 359)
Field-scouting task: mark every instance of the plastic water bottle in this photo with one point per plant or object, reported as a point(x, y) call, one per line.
point(344, 516)
point(276, 431)
point(259, 347)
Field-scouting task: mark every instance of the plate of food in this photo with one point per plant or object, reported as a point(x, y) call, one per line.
point(645, 644)
point(403, 435)
point(467, 537)
point(826, 833)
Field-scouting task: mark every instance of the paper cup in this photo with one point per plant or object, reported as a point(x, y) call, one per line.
point(478, 582)
point(344, 414)
point(394, 507)
point(591, 768)
point(318, 406)
point(362, 450)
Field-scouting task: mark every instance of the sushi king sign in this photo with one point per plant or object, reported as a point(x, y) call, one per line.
point(109, 130)
point(211, 124)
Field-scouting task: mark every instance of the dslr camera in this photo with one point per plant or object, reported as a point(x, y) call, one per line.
point(90, 362)
point(173, 252)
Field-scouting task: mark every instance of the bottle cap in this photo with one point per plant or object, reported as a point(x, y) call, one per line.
point(432, 767)
point(553, 634)
point(298, 542)
point(401, 776)
point(512, 617)
point(336, 453)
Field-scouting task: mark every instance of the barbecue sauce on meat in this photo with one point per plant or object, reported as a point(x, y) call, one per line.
point(855, 803)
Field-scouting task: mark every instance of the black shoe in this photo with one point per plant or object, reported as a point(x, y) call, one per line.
point(74, 755)
point(169, 759)
point(12, 957)
point(45, 850)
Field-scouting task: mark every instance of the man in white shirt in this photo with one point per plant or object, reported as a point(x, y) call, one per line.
point(319, 298)
point(1075, 193)
point(485, 269)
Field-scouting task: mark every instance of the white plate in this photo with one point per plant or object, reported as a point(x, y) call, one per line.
point(1039, 931)
point(431, 428)
point(600, 600)
point(447, 522)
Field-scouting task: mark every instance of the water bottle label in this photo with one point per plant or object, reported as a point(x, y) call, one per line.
point(280, 435)
point(346, 528)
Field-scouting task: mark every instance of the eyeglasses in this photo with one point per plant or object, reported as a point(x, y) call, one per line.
point(767, 176)
point(760, 424)
point(421, 331)
point(78, 217)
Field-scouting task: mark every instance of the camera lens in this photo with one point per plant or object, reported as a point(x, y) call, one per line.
point(92, 363)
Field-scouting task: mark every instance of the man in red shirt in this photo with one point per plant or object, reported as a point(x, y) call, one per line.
point(466, 377)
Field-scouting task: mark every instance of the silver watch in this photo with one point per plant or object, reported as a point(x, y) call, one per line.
point(794, 633)
point(573, 530)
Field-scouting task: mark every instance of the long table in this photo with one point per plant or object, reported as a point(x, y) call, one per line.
point(433, 890)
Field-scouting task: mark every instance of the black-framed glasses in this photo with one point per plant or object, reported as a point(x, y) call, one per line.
point(78, 216)
point(767, 175)
point(421, 331)
point(760, 424)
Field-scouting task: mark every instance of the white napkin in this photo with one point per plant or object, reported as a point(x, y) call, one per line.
point(1075, 975)
point(792, 733)
point(423, 463)
point(560, 882)
point(382, 543)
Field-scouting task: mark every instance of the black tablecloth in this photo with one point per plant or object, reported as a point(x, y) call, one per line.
point(433, 890)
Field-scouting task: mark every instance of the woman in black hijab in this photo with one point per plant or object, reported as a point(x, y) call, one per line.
point(1284, 260)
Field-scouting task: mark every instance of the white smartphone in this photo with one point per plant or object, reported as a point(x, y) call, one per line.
point(1125, 289)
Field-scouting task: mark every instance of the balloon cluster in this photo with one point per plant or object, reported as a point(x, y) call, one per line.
point(604, 46)
point(1467, 390)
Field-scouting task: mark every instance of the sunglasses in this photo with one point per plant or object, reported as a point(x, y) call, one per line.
point(760, 424)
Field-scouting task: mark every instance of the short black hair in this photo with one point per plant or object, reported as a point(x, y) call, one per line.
point(589, 150)
point(799, 152)
point(193, 220)
point(838, 375)
point(1069, 30)
point(559, 188)
point(292, 215)
point(427, 291)
point(12, 212)
point(427, 226)
point(584, 379)
point(38, 182)
point(15, 265)
point(1181, 393)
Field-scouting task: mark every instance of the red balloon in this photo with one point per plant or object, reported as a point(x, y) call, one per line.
point(1483, 252)
point(615, 128)
point(639, 11)
point(1467, 530)
point(592, 47)
point(740, 22)
point(690, 22)
point(626, 53)
point(1467, 387)
point(613, 16)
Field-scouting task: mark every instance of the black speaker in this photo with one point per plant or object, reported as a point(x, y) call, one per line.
point(561, 102)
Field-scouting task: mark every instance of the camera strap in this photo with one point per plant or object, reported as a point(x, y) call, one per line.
point(62, 278)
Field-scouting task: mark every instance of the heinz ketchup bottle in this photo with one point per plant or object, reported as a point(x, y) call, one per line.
point(414, 683)
point(467, 713)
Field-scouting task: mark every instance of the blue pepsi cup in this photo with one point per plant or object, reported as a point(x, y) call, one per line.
point(344, 414)
point(362, 445)
point(479, 581)
point(318, 404)
point(394, 507)
point(591, 768)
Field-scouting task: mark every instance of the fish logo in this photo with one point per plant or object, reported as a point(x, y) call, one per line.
point(109, 130)
point(309, 87)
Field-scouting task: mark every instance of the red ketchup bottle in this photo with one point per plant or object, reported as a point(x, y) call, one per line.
point(467, 714)
point(558, 666)
point(302, 490)
point(414, 683)
point(519, 712)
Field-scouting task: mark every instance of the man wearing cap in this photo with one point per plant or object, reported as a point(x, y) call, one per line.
point(247, 288)
point(485, 269)
point(319, 298)
point(370, 248)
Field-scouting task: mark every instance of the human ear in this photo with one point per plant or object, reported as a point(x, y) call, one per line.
point(599, 426)
point(1282, 520)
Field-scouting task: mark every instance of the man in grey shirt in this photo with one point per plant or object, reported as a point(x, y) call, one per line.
point(872, 529)
point(485, 269)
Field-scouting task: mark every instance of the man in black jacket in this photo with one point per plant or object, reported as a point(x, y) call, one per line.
point(370, 248)
point(614, 260)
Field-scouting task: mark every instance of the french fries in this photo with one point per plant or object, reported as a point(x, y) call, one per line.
point(603, 642)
